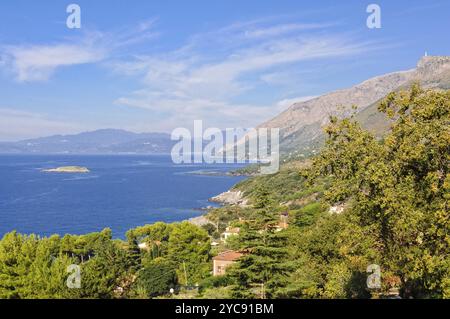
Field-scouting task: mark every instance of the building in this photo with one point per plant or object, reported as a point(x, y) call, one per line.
point(223, 260)
point(284, 222)
point(230, 231)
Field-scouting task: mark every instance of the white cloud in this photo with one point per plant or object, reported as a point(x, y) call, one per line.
point(38, 63)
point(34, 63)
point(211, 77)
point(210, 74)
point(183, 112)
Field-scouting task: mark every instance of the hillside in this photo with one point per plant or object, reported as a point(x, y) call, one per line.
point(301, 124)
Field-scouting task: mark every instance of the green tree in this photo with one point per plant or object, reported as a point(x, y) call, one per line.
point(104, 270)
point(157, 278)
point(134, 252)
point(189, 248)
point(396, 189)
point(263, 269)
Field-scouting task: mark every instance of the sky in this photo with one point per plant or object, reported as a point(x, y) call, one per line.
point(153, 66)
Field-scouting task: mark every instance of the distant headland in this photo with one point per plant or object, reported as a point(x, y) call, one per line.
point(67, 169)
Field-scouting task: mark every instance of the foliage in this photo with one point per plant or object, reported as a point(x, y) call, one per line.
point(395, 192)
point(157, 277)
point(263, 263)
point(189, 247)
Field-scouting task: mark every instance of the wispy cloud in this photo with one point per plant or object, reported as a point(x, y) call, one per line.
point(38, 62)
point(208, 76)
point(283, 29)
point(216, 75)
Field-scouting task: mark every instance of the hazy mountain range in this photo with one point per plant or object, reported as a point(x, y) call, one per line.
point(107, 141)
point(301, 124)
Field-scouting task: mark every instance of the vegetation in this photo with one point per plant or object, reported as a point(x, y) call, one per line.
point(393, 196)
point(156, 278)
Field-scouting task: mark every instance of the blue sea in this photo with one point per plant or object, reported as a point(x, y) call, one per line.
point(120, 192)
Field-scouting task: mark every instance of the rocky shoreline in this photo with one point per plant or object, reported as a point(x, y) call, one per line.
point(199, 221)
point(231, 197)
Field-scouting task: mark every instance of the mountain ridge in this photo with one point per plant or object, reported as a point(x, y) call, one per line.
point(102, 141)
point(301, 124)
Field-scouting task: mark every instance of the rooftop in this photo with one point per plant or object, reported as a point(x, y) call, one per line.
point(232, 230)
point(229, 255)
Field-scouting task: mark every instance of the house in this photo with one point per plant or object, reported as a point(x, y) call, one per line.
point(223, 260)
point(230, 231)
point(283, 223)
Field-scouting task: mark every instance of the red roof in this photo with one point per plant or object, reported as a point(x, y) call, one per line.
point(228, 256)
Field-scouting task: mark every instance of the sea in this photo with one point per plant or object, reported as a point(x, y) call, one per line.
point(120, 192)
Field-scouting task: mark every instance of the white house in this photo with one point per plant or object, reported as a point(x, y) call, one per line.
point(230, 231)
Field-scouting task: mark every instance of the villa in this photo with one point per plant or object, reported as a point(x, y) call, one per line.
point(224, 260)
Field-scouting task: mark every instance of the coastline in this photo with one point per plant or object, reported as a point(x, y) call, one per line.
point(65, 188)
point(230, 197)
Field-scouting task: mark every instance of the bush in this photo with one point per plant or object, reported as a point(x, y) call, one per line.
point(215, 282)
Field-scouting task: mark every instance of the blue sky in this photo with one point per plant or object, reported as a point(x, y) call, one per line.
point(157, 65)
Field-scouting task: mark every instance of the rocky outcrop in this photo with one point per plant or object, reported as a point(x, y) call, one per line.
point(430, 66)
point(339, 102)
point(301, 125)
point(434, 72)
point(200, 220)
point(231, 197)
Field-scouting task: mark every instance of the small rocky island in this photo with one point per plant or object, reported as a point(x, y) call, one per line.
point(67, 169)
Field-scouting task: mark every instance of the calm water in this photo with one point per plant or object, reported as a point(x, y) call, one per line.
point(120, 192)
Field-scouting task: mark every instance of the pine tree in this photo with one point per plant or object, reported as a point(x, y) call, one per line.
point(263, 269)
point(134, 252)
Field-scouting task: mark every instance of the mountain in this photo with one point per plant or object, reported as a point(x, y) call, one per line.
point(301, 124)
point(106, 141)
